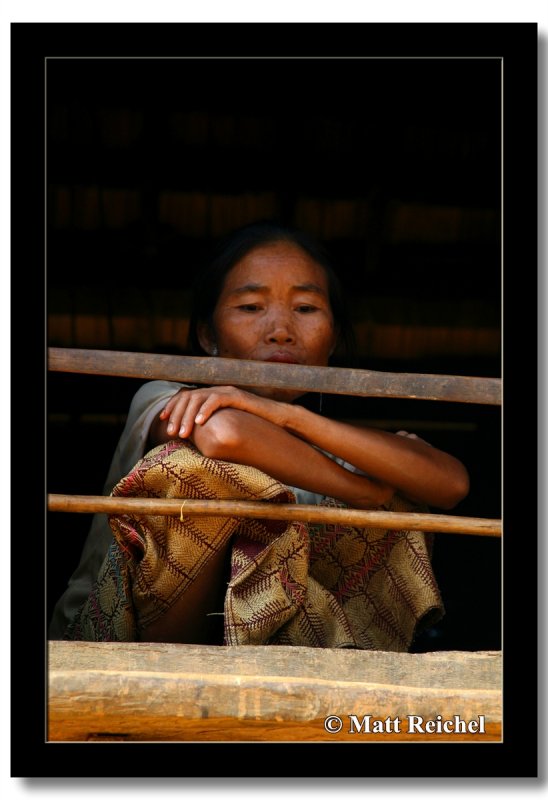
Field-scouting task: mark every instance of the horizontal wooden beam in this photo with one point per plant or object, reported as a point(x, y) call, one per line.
point(139, 691)
point(395, 520)
point(227, 371)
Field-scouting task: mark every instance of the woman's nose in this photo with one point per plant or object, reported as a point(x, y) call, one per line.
point(280, 329)
point(281, 336)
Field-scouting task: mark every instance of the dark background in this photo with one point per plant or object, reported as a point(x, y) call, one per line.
point(395, 164)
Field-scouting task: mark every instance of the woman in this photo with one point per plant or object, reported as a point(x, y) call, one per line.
point(271, 296)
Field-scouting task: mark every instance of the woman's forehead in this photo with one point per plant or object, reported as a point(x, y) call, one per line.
point(281, 263)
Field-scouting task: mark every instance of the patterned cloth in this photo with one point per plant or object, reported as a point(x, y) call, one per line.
point(316, 585)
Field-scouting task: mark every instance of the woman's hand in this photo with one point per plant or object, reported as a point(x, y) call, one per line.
point(413, 436)
point(190, 407)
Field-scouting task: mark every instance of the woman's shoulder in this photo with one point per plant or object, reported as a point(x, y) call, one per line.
point(155, 390)
point(148, 399)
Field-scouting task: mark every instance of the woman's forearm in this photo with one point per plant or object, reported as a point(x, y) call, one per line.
point(413, 467)
point(233, 435)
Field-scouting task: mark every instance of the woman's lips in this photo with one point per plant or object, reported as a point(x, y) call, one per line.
point(282, 358)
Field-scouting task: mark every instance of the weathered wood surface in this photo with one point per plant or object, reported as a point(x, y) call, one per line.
point(169, 692)
point(331, 380)
point(389, 520)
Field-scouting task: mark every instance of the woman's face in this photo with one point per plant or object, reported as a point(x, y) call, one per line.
point(274, 306)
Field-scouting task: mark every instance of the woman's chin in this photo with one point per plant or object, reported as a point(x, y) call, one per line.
point(274, 393)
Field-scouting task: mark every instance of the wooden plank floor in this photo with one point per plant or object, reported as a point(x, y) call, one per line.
point(169, 692)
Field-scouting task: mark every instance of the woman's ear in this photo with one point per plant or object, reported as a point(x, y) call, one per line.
point(206, 339)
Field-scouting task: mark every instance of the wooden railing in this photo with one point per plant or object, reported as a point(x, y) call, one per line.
point(238, 372)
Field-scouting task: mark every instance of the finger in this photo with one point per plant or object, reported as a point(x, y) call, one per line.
point(215, 401)
point(189, 417)
point(409, 435)
point(413, 436)
point(176, 411)
point(225, 397)
point(166, 411)
point(176, 415)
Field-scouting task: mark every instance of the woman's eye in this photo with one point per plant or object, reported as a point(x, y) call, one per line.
point(250, 307)
point(306, 309)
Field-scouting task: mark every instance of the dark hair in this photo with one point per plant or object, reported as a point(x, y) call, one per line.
point(232, 248)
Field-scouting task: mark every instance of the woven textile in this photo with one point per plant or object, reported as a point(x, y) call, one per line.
point(318, 585)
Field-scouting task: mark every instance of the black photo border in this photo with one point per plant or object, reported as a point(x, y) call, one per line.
point(516, 44)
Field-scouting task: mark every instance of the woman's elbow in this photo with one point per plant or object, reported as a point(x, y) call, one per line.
point(221, 436)
point(457, 491)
